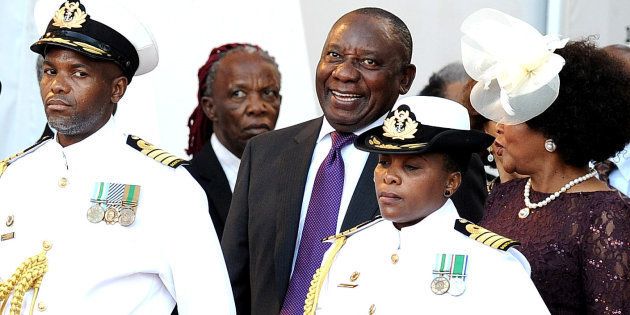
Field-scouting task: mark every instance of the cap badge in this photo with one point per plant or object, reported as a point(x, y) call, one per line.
point(400, 126)
point(69, 16)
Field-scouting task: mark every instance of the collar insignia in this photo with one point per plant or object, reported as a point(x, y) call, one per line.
point(69, 16)
point(400, 126)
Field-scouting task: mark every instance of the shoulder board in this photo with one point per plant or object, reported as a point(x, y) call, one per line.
point(355, 229)
point(155, 153)
point(4, 164)
point(484, 236)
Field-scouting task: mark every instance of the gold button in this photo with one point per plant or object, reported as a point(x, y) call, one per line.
point(395, 259)
point(10, 220)
point(354, 276)
point(63, 182)
point(47, 245)
point(41, 306)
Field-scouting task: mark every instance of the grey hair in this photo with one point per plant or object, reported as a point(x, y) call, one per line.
point(247, 48)
point(451, 73)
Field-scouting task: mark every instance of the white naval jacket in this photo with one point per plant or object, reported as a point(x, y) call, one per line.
point(497, 281)
point(169, 254)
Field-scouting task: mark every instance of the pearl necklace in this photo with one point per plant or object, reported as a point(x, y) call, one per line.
point(524, 213)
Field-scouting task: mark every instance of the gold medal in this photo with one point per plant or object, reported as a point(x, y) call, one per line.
point(127, 217)
point(111, 215)
point(95, 213)
point(440, 285)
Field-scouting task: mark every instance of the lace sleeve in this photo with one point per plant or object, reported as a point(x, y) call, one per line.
point(605, 247)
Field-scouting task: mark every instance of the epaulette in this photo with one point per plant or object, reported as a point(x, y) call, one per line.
point(4, 164)
point(353, 230)
point(155, 153)
point(484, 236)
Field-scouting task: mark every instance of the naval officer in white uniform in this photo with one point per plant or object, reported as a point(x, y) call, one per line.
point(420, 257)
point(93, 220)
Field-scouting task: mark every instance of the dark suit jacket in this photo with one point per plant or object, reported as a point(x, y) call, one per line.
point(261, 229)
point(207, 170)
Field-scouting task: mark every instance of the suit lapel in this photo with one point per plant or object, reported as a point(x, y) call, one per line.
point(298, 154)
point(363, 205)
point(219, 188)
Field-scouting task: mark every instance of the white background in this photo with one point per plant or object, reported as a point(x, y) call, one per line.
point(157, 105)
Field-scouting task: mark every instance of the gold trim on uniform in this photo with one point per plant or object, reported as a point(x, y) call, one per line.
point(7, 236)
point(28, 275)
point(353, 230)
point(374, 141)
point(400, 126)
point(69, 16)
point(84, 46)
point(312, 297)
point(91, 49)
point(354, 276)
point(483, 235)
point(395, 258)
point(4, 164)
point(155, 153)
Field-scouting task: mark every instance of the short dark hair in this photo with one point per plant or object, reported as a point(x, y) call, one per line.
point(590, 119)
point(453, 72)
point(456, 161)
point(398, 29)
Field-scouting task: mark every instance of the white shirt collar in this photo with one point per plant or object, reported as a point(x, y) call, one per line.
point(327, 128)
point(229, 162)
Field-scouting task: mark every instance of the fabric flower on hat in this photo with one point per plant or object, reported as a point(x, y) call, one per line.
point(515, 66)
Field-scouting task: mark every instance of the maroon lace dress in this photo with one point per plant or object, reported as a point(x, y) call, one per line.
point(578, 246)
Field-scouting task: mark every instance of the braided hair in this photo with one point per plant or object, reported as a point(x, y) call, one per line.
point(198, 123)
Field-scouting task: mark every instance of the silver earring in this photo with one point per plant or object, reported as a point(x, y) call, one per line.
point(447, 193)
point(550, 146)
point(490, 158)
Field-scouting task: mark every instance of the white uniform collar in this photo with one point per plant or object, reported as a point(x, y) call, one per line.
point(98, 142)
point(327, 128)
point(228, 161)
point(439, 222)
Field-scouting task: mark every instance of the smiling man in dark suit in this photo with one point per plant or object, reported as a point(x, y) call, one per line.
point(293, 186)
point(364, 66)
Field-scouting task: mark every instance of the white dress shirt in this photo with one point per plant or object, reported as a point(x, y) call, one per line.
point(353, 163)
point(169, 254)
point(620, 178)
point(497, 281)
point(229, 162)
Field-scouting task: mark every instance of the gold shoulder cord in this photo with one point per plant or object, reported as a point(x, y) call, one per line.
point(312, 297)
point(27, 276)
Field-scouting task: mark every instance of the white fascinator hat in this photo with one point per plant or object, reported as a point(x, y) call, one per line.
point(514, 65)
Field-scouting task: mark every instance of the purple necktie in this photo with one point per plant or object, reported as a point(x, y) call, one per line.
point(321, 221)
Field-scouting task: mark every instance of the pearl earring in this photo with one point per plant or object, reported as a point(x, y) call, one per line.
point(550, 146)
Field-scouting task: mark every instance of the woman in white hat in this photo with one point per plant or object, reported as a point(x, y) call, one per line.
point(556, 113)
point(420, 257)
